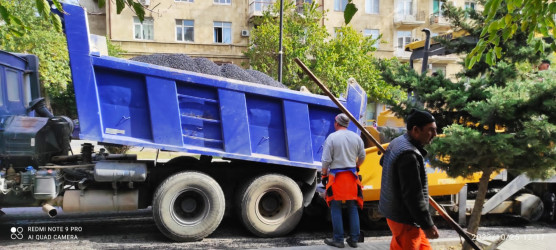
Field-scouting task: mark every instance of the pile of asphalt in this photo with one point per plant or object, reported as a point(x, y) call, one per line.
point(206, 66)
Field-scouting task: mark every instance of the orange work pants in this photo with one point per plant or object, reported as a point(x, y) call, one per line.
point(405, 237)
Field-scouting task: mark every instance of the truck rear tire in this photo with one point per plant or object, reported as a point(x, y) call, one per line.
point(270, 205)
point(188, 206)
point(549, 200)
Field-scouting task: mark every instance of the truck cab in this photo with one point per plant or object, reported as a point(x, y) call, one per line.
point(19, 83)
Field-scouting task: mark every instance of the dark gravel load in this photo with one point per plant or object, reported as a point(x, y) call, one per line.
point(207, 66)
point(176, 61)
point(263, 78)
point(235, 72)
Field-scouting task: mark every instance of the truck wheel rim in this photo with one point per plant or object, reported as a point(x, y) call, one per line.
point(189, 207)
point(273, 206)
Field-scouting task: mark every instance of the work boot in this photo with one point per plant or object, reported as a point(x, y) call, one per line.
point(333, 243)
point(352, 243)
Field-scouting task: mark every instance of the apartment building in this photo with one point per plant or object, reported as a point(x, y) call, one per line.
point(219, 29)
point(215, 29)
point(400, 22)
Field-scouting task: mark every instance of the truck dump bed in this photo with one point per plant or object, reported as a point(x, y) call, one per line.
point(132, 103)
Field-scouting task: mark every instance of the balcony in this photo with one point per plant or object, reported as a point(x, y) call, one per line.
point(444, 59)
point(409, 21)
point(402, 55)
point(439, 22)
point(258, 7)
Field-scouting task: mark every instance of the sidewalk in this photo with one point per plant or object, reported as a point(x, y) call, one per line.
point(511, 242)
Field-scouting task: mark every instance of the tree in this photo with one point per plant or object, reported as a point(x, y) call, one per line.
point(302, 36)
point(333, 60)
point(532, 18)
point(350, 54)
point(495, 117)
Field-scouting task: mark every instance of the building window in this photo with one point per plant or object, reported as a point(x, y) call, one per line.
point(434, 68)
point(263, 5)
point(145, 30)
point(227, 2)
point(405, 7)
point(185, 30)
point(340, 5)
point(222, 32)
point(187, 1)
point(469, 5)
point(300, 3)
point(374, 34)
point(403, 38)
point(371, 6)
point(437, 7)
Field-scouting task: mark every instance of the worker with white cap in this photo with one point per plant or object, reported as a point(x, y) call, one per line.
point(342, 154)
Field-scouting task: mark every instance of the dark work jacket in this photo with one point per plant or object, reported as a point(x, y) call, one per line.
point(404, 196)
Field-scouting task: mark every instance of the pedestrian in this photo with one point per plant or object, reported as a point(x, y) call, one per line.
point(342, 155)
point(404, 189)
point(545, 65)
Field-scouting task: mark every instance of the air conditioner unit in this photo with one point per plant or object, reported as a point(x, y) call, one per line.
point(145, 2)
point(244, 32)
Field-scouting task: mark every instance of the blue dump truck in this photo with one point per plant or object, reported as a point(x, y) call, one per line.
point(270, 140)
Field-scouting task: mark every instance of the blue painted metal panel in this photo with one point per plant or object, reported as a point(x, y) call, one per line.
point(235, 126)
point(321, 121)
point(357, 105)
point(12, 61)
point(124, 104)
point(86, 94)
point(200, 118)
point(212, 115)
point(298, 131)
point(165, 114)
point(266, 125)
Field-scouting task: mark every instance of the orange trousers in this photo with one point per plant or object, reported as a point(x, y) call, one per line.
point(405, 237)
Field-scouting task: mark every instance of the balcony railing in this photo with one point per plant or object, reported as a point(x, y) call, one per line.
point(401, 54)
point(257, 7)
point(409, 20)
point(439, 22)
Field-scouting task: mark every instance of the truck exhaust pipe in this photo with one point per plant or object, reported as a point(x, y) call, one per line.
point(50, 210)
point(39, 105)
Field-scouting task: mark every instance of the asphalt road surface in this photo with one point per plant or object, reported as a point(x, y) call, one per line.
point(30, 228)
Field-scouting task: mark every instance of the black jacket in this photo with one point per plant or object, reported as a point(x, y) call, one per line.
point(404, 188)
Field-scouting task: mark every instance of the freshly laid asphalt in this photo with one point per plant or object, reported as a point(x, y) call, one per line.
point(508, 242)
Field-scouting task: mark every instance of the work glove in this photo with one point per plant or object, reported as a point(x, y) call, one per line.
point(324, 180)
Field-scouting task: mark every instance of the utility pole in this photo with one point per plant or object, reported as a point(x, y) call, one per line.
point(426, 51)
point(280, 52)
